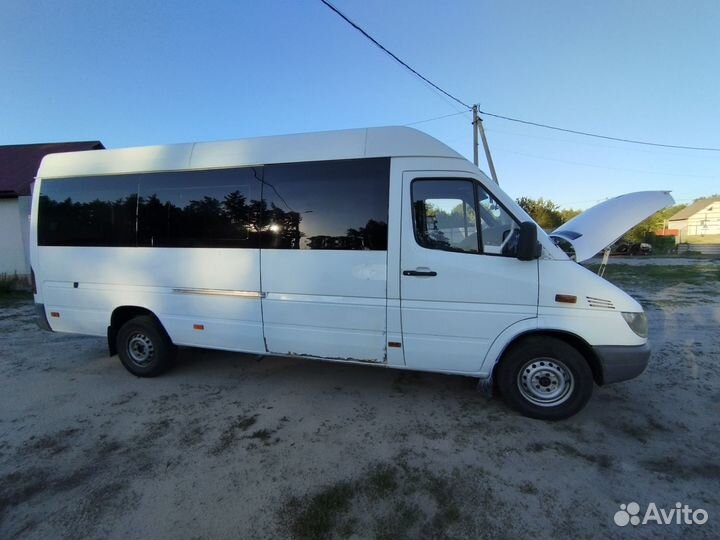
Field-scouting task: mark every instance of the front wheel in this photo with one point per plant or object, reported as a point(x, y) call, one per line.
point(144, 348)
point(545, 378)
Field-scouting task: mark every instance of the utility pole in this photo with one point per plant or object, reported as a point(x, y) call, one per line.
point(487, 151)
point(478, 126)
point(475, 135)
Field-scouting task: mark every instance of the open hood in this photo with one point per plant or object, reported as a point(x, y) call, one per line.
point(598, 227)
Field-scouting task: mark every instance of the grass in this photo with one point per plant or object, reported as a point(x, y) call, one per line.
point(317, 517)
point(655, 275)
point(14, 296)
point(602, 461)
point(229, 436)
point(10, 282)
point(13, 288)
point(263, 435)
point(384, 500)
point(382, 481)
point(398, 523)
point(666, 286)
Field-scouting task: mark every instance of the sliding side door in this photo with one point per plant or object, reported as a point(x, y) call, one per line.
point(324, 258)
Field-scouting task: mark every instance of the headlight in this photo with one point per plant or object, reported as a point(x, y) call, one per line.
point(637, 323)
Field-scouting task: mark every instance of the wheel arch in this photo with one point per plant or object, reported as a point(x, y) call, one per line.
point(575, 341)
point(120, 316)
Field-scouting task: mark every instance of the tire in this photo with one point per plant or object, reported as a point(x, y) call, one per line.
point(144, 347)
point(545, 378)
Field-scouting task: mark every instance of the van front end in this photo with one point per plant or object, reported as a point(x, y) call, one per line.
point(613, 324)
point(587, 332)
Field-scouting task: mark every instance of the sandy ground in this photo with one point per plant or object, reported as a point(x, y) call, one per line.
point(225, 446)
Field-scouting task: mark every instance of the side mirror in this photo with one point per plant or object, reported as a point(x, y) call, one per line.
point(528, 248)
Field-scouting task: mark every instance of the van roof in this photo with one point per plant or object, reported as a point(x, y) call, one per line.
point(320, 146)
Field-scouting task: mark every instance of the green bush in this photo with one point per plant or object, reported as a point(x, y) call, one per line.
point(7, 283)
point(13, 284)
point(662, 245)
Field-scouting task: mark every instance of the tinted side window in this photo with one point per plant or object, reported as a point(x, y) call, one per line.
point(211, 208)
point(326, 205)
point(445, 214)
point(92, 211)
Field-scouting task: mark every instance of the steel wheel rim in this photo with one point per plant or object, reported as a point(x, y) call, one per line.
point(140, 349)
point(546, 382)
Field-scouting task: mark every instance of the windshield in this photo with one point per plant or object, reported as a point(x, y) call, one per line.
point(496, 224)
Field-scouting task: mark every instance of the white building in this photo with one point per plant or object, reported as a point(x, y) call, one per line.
point(18, 165)
point(701, 218)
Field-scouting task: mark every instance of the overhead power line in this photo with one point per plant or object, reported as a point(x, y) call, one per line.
point(596, 166)
point(500, 116)
point(607, 137)
point(394, 57)
point(437, 118)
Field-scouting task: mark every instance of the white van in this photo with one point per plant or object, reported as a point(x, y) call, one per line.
point(376, 246)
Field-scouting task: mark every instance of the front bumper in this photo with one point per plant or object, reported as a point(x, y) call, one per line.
point(622, 362)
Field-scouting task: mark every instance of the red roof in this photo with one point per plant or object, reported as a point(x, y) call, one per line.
point(19, 163)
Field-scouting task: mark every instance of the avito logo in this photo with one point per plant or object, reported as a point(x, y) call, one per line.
point(681, 514)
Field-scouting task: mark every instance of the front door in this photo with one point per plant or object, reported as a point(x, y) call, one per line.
point(460, 282)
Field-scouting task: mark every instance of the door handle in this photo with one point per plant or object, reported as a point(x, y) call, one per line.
point(426, 273)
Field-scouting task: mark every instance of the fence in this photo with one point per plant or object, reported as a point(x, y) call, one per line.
point(705, 249)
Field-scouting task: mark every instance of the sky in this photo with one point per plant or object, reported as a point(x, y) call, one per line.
point(133, 73)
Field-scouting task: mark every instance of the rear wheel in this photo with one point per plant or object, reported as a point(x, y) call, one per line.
point(545, 378)
point(144, 348)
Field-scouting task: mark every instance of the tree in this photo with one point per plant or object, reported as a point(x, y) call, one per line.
point(566, 214)
point(642, 232)
point(546, 213)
